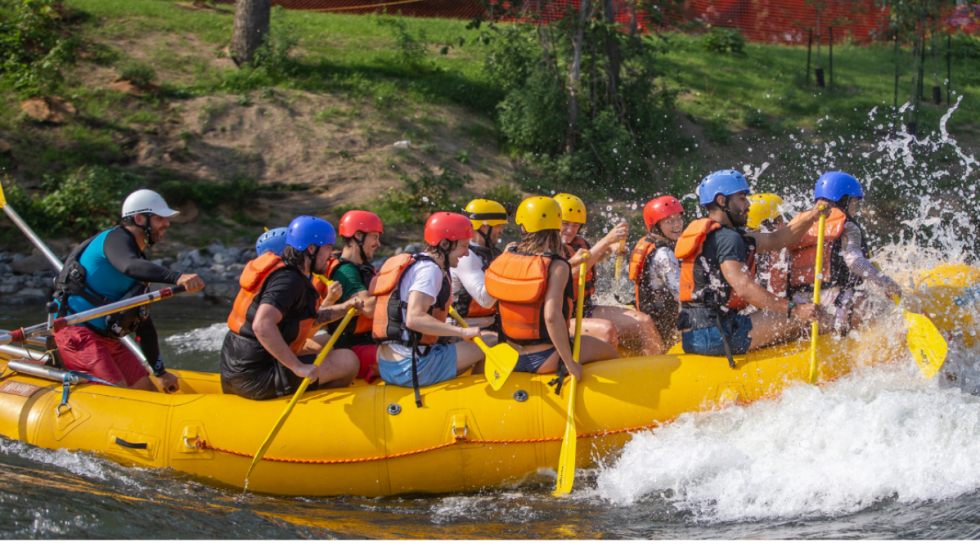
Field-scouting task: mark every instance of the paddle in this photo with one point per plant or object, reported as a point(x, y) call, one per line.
point(501, 359)
point(817, 279)
point(59, 324)
point(566, 458)
point(298, 394)
point(619, 268)
point(927, 345)
point(128, 340)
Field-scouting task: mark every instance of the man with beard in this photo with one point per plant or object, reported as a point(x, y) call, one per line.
point(104, 269)
point(718, 276)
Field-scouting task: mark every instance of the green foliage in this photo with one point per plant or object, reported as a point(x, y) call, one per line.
point(964, 46)
point(508, 195)
point(462, 156)
point(35, 47)
point(275, 53)
point(716, 131)
point(421, 196)
point(77, 203)
point(239, 193)
point(722, 40)
point(754, 118)
point(138, 73)
point(411, 50)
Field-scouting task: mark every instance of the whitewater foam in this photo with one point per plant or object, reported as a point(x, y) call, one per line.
point(200, 339)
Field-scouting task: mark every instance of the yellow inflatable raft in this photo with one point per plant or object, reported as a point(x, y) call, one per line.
point(371, 440)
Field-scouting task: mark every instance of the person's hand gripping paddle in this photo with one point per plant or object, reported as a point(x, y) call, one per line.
point(299, 393)
point(501, 359)
point(566, 458)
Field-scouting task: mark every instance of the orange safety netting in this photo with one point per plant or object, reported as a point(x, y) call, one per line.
point(772, 21)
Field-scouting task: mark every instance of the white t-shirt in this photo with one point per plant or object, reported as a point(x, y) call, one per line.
point(422, 276)
point(664, 270)
point(469, 275)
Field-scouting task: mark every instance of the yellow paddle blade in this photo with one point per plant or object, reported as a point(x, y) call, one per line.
point(501, 361)
point(566, 458)
point(3, 200)
point(275, 429)
point(927, 345)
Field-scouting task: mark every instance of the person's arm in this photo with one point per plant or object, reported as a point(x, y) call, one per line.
point(599, 249)
point(121, 251)
point(472, 278)
point(858, 264)
point(554, 298)
point(264, 325)
point(737, 275)
point(418, 319)
point(791, 233)
point(335, 312)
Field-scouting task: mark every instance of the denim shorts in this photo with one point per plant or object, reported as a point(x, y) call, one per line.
point(708, 341)
point(438, 365)
point(532, 361)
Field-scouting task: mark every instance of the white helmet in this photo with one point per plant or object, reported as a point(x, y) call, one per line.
point(146, 201)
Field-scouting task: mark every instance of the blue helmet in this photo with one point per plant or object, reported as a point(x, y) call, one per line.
point(305, 231)
point(725, 183)
point(835, 185)
point(273, 240)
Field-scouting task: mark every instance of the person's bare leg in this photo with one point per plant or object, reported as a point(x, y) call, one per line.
point(468, 354)
point(769, 328)
point(339, 369)
point(633, 324)
point(592, 350)
point(603, 330)
point(144, 384)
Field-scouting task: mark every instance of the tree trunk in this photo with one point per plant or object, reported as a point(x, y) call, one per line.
point(574, 78)
point(612, 57)
point(250, 28)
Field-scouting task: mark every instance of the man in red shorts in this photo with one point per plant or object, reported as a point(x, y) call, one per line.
point(106, 268)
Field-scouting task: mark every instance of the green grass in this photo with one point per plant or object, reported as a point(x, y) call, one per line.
point(766, 88)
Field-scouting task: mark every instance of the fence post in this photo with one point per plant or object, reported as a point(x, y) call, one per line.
point(896, 70)
point(809, 47)
point(949, 75)
point(830, 45)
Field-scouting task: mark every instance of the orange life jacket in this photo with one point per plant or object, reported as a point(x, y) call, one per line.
point(465, 305)
point(688, 250)
point(803, 253)
point(638, 260)
point(252, 281)
point(519, 282)
point(388, 322)
point(358, 333)
point(579, 243)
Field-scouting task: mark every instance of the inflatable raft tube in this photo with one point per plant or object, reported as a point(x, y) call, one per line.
point(371, 440)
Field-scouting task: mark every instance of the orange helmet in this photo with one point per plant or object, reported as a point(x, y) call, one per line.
point(658, 209)
point(365, 221)
point(447, 226)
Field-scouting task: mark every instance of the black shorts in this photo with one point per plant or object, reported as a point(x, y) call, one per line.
point(247, 370)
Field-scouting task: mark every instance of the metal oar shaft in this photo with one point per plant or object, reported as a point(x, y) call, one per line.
point(60, 323)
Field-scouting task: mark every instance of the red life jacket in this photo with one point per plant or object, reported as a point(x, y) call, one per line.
point(388, 322)
point(688, 250)
point(519, 282)
point(252, 280)
point(579, 243)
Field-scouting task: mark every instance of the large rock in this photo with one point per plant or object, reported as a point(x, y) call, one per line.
point(48, 109)
point(27, 296)
point(222, 291)
point(30, 265)
point(227, 256)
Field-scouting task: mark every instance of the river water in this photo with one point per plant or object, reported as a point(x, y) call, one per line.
point(878, 454)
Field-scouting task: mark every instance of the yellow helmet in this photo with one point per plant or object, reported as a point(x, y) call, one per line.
point(538, 213)
point(484, 211)
point(572, 208)
point(763, 207)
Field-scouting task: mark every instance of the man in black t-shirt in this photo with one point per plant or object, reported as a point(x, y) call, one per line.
point(267, 354)
point(718, 280)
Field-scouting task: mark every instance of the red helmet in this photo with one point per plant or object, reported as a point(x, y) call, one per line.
point(365, 221)
point(658, 209)
point(447, 226)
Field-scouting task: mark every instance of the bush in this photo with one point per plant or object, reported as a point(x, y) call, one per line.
point(238, 193)
point(275, 53)
point(421, 196)
point(34, 47)
point(138, 73)
point(722, 40)
point(411, 49)
point(964, 46)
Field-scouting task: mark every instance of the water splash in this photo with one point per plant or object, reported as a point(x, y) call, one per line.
point(209, 338)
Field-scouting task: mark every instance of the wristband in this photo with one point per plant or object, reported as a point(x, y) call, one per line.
point(789, 309)
point(159, 373)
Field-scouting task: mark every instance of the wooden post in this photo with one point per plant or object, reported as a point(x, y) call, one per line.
point(830, 45)
point(809, 48)
point(949, 75)
point(895, 38)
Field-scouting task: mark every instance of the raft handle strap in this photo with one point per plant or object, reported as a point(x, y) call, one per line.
point(561, 373)
point(127, 444)
point(71, 377)
point(415, 371)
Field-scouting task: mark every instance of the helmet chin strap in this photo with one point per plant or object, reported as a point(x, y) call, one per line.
point(360, 245)
point(313, 256)
point(147, 236)
point(487, 242)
